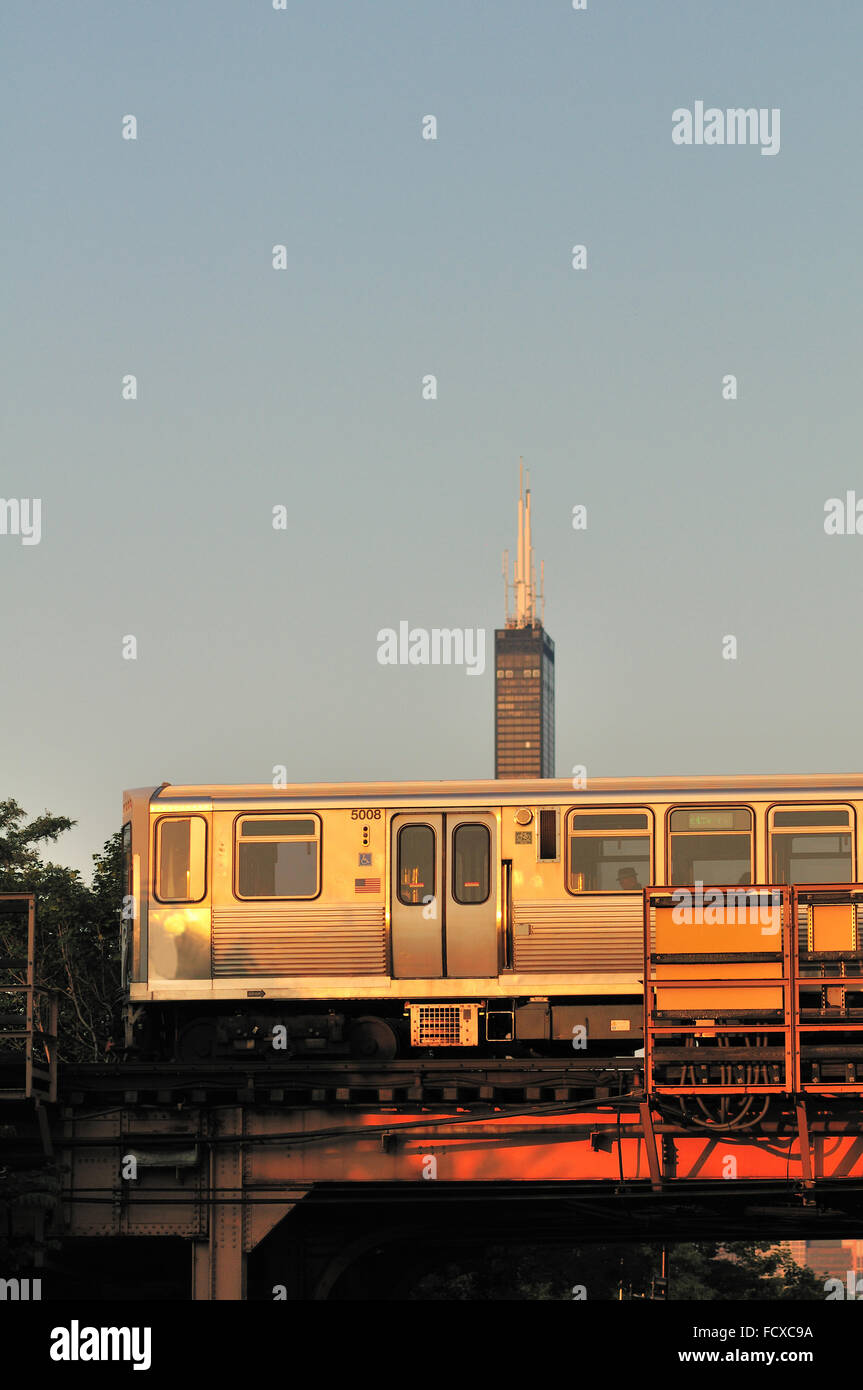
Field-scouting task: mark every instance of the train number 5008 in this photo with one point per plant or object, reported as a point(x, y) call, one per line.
point(366, 815)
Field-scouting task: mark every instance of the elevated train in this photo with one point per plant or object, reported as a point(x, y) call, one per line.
point(380, 919)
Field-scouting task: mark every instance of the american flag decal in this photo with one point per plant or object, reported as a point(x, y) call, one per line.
point(367, 885)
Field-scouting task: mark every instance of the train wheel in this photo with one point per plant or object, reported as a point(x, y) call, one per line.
point(373, 1039)
point(198, 1041)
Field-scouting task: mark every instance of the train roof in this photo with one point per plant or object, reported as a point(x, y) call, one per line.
point(508, 789)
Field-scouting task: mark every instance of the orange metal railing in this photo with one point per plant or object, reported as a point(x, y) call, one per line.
point(753, 989)
point(828, 992)
point(718, 981)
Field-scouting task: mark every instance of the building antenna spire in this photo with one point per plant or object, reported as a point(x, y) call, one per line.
point(519, 562)
point(530, 581)
point(506, 583)
point(524, 591)
point(524, 659)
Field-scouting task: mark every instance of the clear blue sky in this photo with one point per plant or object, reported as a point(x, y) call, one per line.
point(405, 257)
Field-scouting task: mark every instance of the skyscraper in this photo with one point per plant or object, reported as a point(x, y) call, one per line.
point(524, 666)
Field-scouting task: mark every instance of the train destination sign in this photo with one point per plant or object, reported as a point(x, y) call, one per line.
point(711, 820)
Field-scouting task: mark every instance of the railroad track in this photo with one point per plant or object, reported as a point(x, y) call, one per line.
point(435, 1079)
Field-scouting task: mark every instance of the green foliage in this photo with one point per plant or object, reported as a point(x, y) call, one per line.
point(703, 1271)
point(740, 1270)
point(19, 843)
point(77, 927)
point(77, 953)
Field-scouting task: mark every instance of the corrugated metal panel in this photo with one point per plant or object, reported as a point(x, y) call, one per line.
point(308, 940)
point(590, 933)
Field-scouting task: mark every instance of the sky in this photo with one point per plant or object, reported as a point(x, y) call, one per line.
point(302, 387)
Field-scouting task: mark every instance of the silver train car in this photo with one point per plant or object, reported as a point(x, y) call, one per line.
point(373, 919)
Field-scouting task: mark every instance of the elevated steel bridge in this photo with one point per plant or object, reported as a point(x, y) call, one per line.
point(321, 1160)
point(221, 1156)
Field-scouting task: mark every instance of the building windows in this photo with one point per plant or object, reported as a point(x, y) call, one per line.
point(524, 712)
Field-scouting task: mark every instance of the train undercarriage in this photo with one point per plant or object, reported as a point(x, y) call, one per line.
point(383, 1030)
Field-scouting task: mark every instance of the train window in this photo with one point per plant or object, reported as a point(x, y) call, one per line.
point(609, 851)
point(547, 847)
point(711, 844)
point(127, 860)
point(808, 818)
point(416, 864)
point(127, 922)
point(278, 856)
point(181, 859)
point(471, 847)
point(294, 828)
point(813, 846)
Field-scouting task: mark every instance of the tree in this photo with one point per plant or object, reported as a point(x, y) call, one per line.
point(77, 953)
point(739, 1270)
point(19, 843)
point(706, 1271)
point(77, 926)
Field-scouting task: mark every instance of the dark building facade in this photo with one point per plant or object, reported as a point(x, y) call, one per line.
point(524, 670)
point(524, 702)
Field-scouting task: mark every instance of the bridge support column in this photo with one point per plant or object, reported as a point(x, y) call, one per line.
point(241, 1211)
point(219, 1262)
point(218, 1270)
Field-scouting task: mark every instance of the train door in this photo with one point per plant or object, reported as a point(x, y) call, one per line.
point(180, 906)
point(470, 917)
point(416, 916)
point(444, 910)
